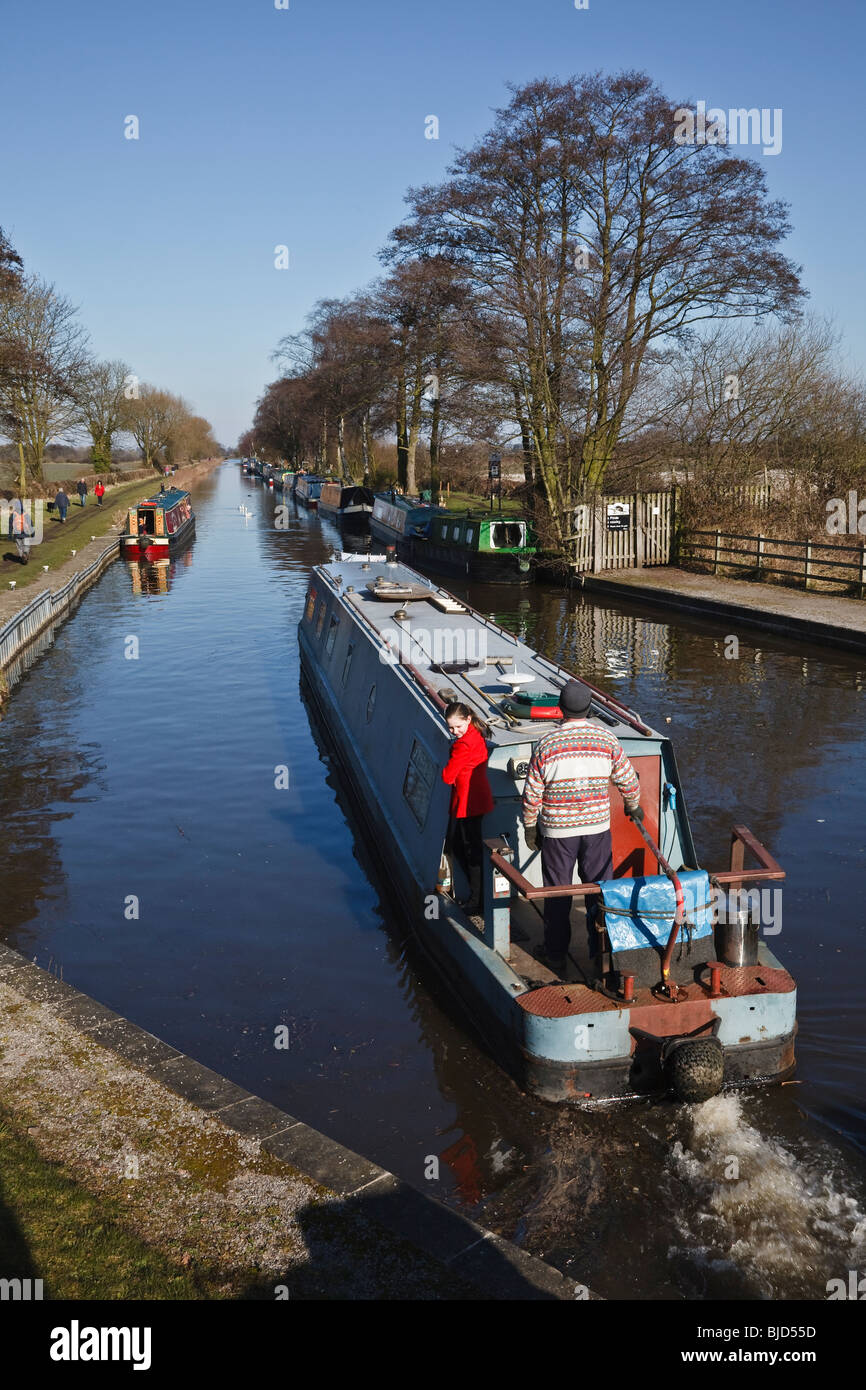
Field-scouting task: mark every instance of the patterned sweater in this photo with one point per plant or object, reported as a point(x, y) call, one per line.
point(566, 788)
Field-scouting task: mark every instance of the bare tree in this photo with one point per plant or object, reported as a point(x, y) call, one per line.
point(48, 349)
point(591, 236)
point(101, 394)
point(153, 420)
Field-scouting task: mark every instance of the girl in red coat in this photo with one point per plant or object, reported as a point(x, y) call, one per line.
point(471, 797)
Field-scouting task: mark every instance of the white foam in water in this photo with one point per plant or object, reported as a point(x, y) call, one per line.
point(785, 1223)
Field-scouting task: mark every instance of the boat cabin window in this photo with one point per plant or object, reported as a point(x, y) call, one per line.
point(311, 604)
point(419, 782)
point(146, 520)
point(470, 532)
point(321, 617)
point(332, 635)
point(455, 534)
point(507, 534)
point(347, 664)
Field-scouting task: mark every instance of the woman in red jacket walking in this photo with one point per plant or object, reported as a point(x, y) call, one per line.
point(471, 797)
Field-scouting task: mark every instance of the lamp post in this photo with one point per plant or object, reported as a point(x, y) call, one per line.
point(494, 475)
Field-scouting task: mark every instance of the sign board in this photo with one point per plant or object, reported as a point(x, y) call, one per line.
point(618, 516)
point(494, 467)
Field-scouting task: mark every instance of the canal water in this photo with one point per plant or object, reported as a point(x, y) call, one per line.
point(152, 853)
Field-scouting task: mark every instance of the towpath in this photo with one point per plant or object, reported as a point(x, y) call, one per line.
point(809, 616)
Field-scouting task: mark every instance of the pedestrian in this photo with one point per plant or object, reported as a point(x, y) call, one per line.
point(99, 491)
point(566, 812)
point(471, 797)
point(61, 502)
point(82, 490)
point(20, 530)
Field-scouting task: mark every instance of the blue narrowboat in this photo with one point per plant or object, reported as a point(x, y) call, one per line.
point(308, 489)
point(397, 520)
point(669, 985)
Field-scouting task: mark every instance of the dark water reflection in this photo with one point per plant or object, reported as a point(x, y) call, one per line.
point(155, 778)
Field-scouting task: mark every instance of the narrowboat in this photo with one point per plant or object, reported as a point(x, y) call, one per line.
point(669, 986)
point(158, 527)
point(491, 547)
point(286, 480)
point(398, 520)
point(348, 505)
point(307, 489)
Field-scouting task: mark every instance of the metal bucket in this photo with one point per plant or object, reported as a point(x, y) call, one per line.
point(737, 940)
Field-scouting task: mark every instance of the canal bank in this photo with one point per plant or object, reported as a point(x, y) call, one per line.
point(28, 609)
point(221, 1183)
point(811, 617)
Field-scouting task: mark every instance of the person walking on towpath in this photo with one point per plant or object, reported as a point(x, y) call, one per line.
point(61, 502)
point(20, 530)
point(566, 806)
point(471, 797)
point(81, 490)
point(99, 491)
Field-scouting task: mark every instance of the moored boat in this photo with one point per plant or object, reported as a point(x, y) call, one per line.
point(158, 527)
point(680, 993)
point(308, 488)
point(347, 504)
point(490, 547)
point(397, 521)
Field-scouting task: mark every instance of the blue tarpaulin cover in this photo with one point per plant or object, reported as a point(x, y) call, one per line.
point(640, 911)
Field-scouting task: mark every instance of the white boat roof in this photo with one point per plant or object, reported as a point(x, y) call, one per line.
point(442, 629)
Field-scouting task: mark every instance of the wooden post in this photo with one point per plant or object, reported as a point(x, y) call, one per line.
point(716, 553)
point(760, 555)
point(808, 570)
point(639, 538)
point(598, 537)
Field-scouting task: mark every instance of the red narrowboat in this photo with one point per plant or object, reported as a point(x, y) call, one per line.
point(158, 527)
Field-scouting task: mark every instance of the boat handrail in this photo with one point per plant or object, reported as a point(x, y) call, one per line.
point(741, 839)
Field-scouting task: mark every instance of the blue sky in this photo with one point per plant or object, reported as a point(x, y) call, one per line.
point(304, 126)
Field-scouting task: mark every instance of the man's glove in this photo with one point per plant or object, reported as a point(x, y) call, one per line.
point(531, 835)
point(635, 811)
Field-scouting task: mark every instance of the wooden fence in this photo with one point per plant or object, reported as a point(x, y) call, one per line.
point(627, 531)
point(806, 562)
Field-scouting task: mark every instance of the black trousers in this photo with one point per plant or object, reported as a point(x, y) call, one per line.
point(465, 843)
point(593, 855)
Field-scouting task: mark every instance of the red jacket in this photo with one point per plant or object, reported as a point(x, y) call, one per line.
point(466, 773)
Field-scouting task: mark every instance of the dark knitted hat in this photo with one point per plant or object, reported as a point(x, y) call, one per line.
point(575, 698)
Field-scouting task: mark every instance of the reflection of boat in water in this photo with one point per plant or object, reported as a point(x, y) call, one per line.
point(158, 527)
point(155, 577)
point(670, 999)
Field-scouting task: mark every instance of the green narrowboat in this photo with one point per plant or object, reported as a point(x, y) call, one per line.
point(489, 547)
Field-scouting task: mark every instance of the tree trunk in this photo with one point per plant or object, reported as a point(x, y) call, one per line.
point(365, 446)
point(402, 434)
point(22, 476)
point(525, 438)
point(341, 453)
point(434, 447)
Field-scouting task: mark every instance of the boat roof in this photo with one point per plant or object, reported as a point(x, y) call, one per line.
point(410, 504)
point(169, 498)
point(441, 618)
